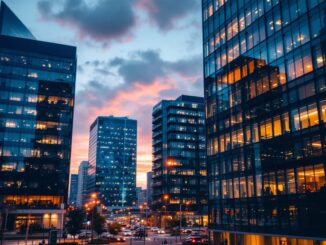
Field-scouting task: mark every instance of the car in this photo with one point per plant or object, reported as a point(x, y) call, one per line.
point(126, 233)
point(190, 240)
point(160, 231)
point(154, 229)
point(105, 235)
point(140, 233)
point(113, 238)
point(85, 234)
point(69, 236)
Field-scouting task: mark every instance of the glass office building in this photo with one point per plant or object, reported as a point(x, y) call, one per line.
point(73, 190)
point(265, 95)
point(179, 167)
point(112, 161)
point(37, 87)
point(149, 176)
point(82, 191)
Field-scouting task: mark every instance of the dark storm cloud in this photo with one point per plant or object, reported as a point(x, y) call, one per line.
point(188, 67)
point(164, 13)
point(103, 20)
point(146, 66)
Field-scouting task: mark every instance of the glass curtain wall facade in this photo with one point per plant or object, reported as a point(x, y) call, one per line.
point(179, 167)
point(37, 87)
point(73, 190)
point(112, 161)
point(82, 190)
point(265, 95)
point(149, 188)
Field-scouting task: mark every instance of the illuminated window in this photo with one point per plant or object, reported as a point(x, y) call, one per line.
point(252, 89)
point(222, 143)
point(277, 126)
point(210, 10)
point(285, 122)
point(290, 181)
point(274, 80)
point(266, 131)
point(301, 186)
point(251, 187)
point(8, 167)
point(10, 124)
point(280, 182)
point(310, 179)
point(319, 172)
point(242, 22)
point(323, 110)
point(236, 188)
point(304, 117)
point(16, 96)
point(248, 135)
point(243, 189)
point(319, 57)
point(251, 66)
point(31, 98)
point(237, 74)
point(313, 114)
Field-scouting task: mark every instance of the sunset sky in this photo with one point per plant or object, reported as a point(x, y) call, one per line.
point(131, 54)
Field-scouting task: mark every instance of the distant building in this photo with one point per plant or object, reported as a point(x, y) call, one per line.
point(141, 196)
point(37, 89)
point(73, 189)
point(82, 191)
point(112, 161)
point(149, 188)
point(179, 179)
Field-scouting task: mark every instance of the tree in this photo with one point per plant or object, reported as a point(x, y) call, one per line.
point(98, 221)
point(114, 228)
point(172, 223)
point(75, 221)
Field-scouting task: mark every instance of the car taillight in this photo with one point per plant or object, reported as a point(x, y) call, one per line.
point(193, 241)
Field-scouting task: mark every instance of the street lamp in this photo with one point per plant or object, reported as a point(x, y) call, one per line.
point(180, 216)
point(166, 199)
point(95, 202)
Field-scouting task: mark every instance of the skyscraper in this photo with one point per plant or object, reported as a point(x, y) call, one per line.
point(179, 167)
point(149, 188)
point(264, 79)
point(37, 88)
point(73, 189)
point(141, 196)
point(112, 161)
point(82, 190)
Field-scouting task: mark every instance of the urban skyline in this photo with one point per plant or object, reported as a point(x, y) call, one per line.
point(169, 40)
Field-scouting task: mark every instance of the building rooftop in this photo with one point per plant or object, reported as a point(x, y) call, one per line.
point(15, 35)
point(11, 25)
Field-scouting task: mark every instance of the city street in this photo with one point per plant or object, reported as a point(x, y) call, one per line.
point(156, 239)
point(152, 239)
